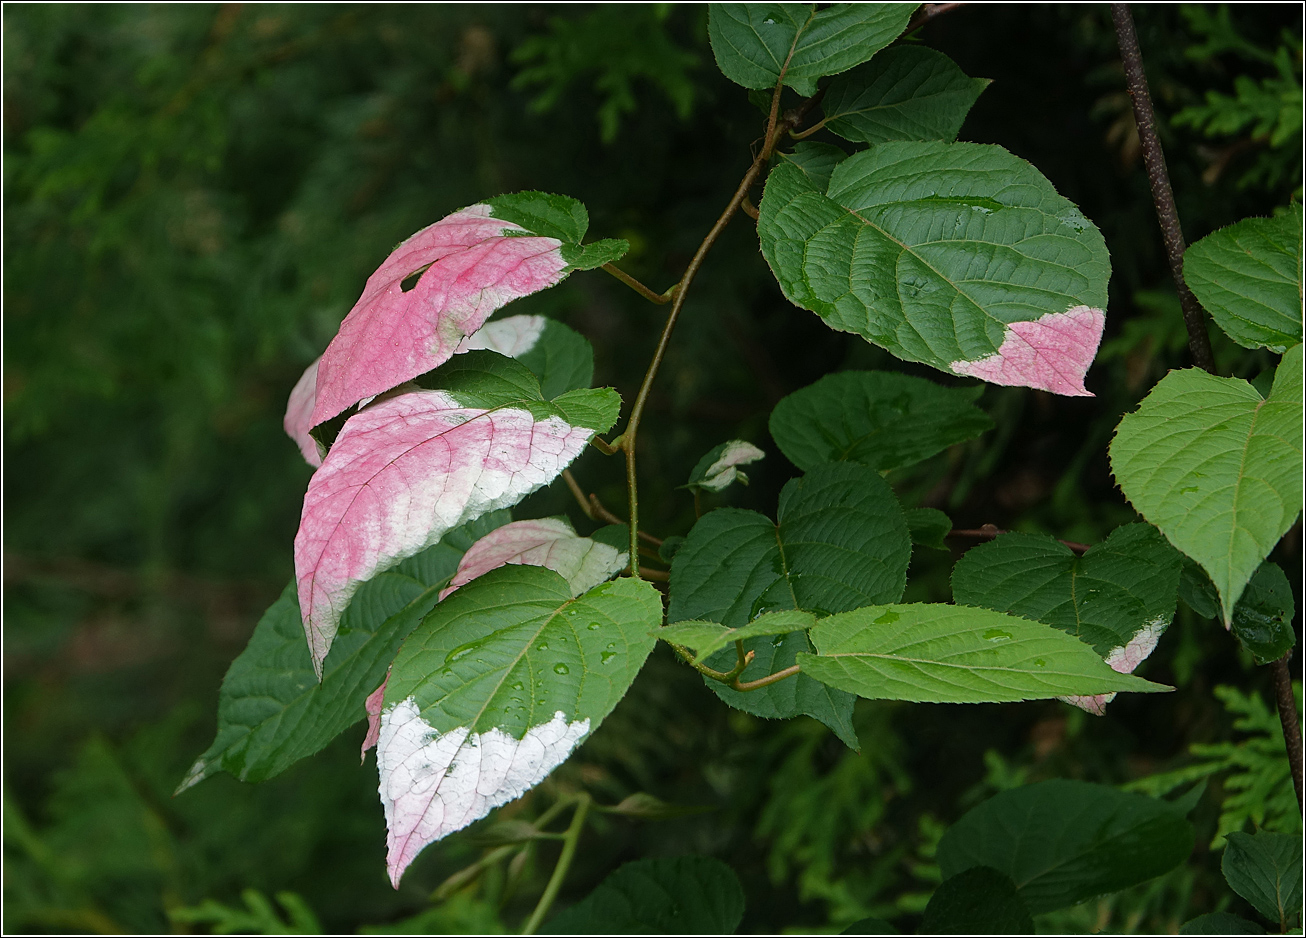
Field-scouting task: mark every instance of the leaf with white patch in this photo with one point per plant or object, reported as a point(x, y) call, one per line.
point(272, 711)
point(559, 356)
point(495, 689)
point(1119, 596)
point(299, 411)
point(720, 466)
point(957, 255)
point(882, 419)
point(756, 43)
point(441, 285)
point(408, 468)
point(907, 92)
point(546, 542)
point(1217, 467)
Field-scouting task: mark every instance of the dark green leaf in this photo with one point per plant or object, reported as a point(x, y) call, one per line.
point(1266, 870)
point(272, 711)
point(754, 43)
point(977, 901)
point(1064, 841)
point(905, 93)
point(560, 217)
point(1120, 590)
point(955, 654)
point(841, 543)
point(681, 896)
point(1220, 923)
point(816, 160)
point(883, 419)
point(870, 926)
point(562, 360)
point(708, 637)
point(1249, 278)
point(668, 548)
point(1262, 620)
point(929, 527)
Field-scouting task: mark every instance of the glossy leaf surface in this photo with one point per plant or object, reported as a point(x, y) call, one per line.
point(939, 653)
point(1217, 468)
point(1249, 278)
point(1064, 841)
point(881, 419)
point(410, 467)
point(495, 689)
point(841, 542)
point(904, 93)
point(957, 255)
point(672, 896)
point(466, 266)
point(754, 43)
point(272, 710)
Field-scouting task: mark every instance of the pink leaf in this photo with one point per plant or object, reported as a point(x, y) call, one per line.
point(470, 266)
point(512, 336)
point(433, 783)
point(403, 472)
point(299, 410)
point(1123, 659)
point(373, 707)
point(1051, 353)
point(547, 542)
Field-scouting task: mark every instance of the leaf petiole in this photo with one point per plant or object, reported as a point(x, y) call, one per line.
point(569, 841)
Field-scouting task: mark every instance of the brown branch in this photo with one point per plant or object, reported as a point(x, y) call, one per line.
point(650, 573)
point(1288, 717)
point(601, 513)
point(1199, 342)
point(628, 280)
point(989, 531)
point(927, 12)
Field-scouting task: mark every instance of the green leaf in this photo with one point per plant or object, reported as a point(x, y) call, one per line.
point(1220, 923)
point(562, 360)
point(1262, 620)
point(1266, 870)
point(1217, 468)
point(272, 711)
point(882, 419)
point(482, 378)
point(870, 926)
point(496, 687)
point(708, 637)
point(1106, 598)
point(755, 42)
point(977, 901)
point(561, 217)
point(1249, 278)
point(841, 542)
point(905, 93)
point(648, 807)
point(951, 254)
point(955, 654)
point(816, 160)
point(675, 896)
point(1065, 841)
point(929, 527)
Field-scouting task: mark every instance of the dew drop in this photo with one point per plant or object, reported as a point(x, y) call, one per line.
point(888, 616)
point(607, 656)
point(593, 626)
point(517, 685)
point(1040, 663)
point(543, 646)
point(462, 651)
point(561, 668)
point(996, 635)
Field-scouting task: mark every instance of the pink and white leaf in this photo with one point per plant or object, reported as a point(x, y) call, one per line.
point(373, 707)
point(470, 265)
point(401, 474)
point(512, 336)
point(299, 413)
point(546, 542)
point(1051, 353)
point(1123, 659)
point(726, 468)
point(434, 783)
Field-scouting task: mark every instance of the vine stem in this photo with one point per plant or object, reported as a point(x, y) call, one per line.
point(989, 531)
point(1199, 342)
point(628, 280)
point(569, 841)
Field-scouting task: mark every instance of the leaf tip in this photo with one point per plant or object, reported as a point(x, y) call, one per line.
point(1051, 353)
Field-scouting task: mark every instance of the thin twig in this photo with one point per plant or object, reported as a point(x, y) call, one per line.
point(650, 573)
point(628, 280)
point(570, 839)
point(1288, 717)
point(763, 682)
point(749, 209)
point(579, 494)
point(1199, 342)
point(601, 513)
point(989, 531)
point(927, 12)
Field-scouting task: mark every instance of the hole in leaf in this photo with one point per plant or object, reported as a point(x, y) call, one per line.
point(411, 280)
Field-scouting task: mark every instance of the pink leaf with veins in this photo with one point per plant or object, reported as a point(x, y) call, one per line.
point(472, 267)
point(1124, 660)
point(373, 707)
point(402, 473)
point(299, 410)
point(546, 542)
point(1051, 353)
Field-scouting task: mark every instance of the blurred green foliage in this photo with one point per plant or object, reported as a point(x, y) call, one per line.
point(194, 196)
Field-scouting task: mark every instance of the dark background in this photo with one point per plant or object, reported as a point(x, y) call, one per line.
point(194, 196)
